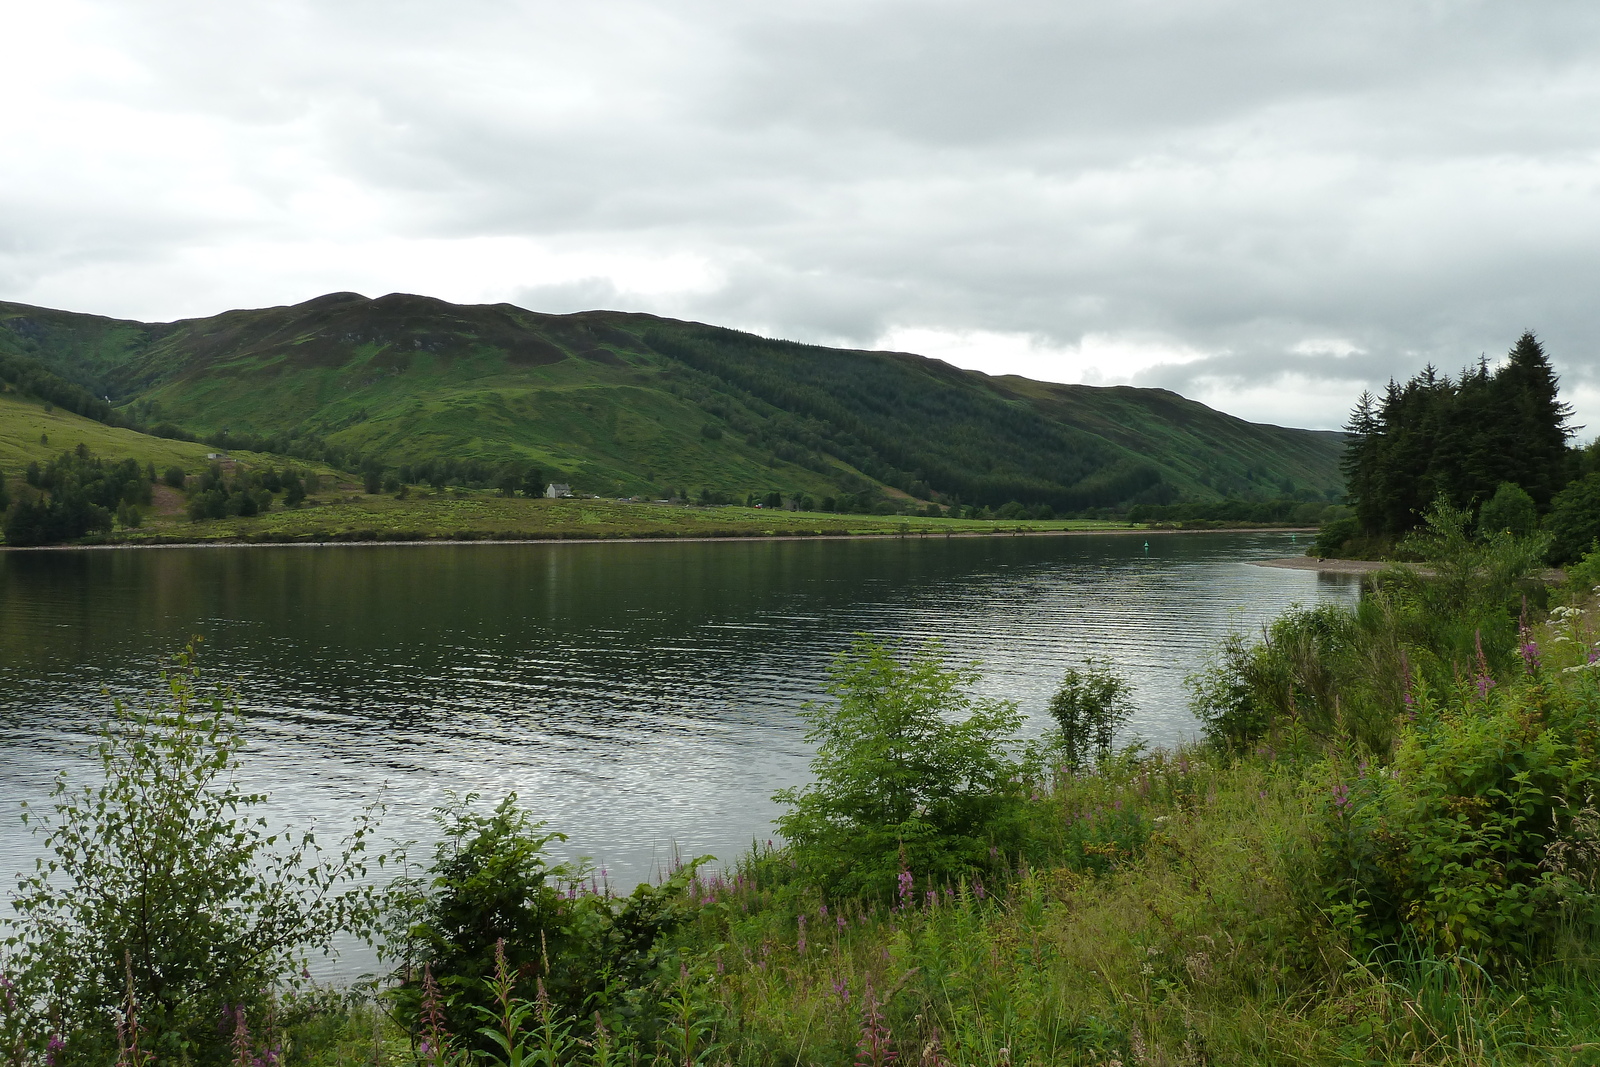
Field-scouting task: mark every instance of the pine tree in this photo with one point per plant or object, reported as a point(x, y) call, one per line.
point(1535, 419)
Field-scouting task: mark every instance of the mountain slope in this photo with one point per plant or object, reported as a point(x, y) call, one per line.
point(622, 402)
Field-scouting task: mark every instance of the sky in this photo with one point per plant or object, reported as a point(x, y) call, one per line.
point(1264, 206)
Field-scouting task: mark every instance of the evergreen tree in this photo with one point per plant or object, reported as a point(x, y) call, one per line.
point(1535, 419)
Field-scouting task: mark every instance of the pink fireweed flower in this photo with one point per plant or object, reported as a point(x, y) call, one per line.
point(1530, 655)
point(1341, 796)
point(906, 884)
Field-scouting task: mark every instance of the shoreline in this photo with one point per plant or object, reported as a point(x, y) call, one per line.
point(1326, 565)
point(1370, 566)
point(665, 539)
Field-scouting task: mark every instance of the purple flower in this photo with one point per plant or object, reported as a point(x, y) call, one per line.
point(1530, 655)
point(53, 1049)
point(1341, 796)
point(977, 888)
point(841, 989)
point(906, 883)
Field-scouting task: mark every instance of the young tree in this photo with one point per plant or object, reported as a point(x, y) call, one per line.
point(165, 883)
point(174, 477)
point(1094, 701)
point(912, 772)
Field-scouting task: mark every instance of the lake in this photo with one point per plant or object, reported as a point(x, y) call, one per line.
point(640, 697)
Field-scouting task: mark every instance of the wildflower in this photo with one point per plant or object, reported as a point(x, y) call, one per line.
point(841, 989)
point(906, 884)
point(841, 921)
point(1341, 796)
point(978, 890)
point(1530, 655)
point(822, 911)
point(800, 944)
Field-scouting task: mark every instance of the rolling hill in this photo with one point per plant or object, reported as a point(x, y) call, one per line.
point(621, 403)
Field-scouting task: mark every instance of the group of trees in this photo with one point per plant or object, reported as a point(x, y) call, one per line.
point(1459, 440)
point(215, 495)
point(75, 494)
point(1279, 510)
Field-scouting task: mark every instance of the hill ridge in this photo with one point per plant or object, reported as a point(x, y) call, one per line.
point(627, 403)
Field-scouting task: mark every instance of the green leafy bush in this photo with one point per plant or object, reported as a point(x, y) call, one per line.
point(165, 895)
point(493, 904)
point(1333, 536)
point(912, 772)
point(1511, 510)
point(1475, 837)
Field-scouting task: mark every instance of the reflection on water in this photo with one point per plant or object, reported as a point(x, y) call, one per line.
point(636, 695)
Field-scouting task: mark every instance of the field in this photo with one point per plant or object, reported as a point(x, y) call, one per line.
point(482, 515)
point(29, 434)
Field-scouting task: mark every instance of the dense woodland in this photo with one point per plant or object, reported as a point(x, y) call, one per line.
point(1494, 441)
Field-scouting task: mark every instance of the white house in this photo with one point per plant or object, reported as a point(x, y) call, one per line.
point(556, 490)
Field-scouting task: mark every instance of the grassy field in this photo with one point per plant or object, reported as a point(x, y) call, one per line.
point(30, 434)
point(482, 515)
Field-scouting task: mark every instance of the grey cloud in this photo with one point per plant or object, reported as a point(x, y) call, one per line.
point(1237, 177)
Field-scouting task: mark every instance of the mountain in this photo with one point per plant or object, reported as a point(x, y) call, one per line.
point(621, 403)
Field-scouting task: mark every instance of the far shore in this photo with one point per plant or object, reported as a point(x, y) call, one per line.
point(921, 534)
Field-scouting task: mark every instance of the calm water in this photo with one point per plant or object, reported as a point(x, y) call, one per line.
point(638, 696)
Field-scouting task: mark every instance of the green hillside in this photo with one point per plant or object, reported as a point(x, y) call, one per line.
point(622, 404)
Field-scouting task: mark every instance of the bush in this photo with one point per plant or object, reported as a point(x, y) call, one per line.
point(494, 903)
point(1480, 835)
point(174, 477)
point(1334, 536)
point(911, 773)
point(1092, 703)
point(1511, 510)
point(165, 886)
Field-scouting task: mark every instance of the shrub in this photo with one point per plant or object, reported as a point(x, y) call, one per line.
point(911, 772)
point(1474, 839)
point(174, 477)
point(1511, 510)
point(164, 885)
point(1092, 703)
point(1334, 536)
point(494, 903)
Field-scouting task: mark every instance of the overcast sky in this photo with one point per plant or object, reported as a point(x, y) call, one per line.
point(1263, 205)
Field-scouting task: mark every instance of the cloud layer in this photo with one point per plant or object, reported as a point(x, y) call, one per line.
point(1265, 206)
